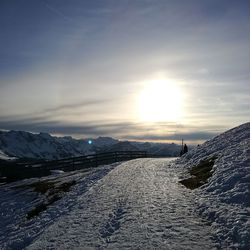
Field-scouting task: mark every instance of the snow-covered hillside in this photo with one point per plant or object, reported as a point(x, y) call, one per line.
point(225, 199)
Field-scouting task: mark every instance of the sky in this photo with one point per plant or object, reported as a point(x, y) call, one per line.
point(148, 70)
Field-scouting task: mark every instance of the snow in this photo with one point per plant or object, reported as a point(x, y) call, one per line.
point(140, 204)
point(4, 156)
point(16, 200)
point(56, 171)
point(23, 144)
point(225, 199)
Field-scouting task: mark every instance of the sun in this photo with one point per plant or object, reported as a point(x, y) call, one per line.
point(160, 101)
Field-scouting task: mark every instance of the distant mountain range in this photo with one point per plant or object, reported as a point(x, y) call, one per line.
point(21, 144)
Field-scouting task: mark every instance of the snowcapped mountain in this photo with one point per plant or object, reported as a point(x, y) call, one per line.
point(159, 149)
point(225, 198)
point(122, 146)
point(20, 144)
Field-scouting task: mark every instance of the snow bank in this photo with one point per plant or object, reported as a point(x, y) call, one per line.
point(225, 199)
point(5, 157)
point(56, 171)
point(17, 199)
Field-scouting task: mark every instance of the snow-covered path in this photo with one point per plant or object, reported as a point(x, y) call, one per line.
point(138, 205)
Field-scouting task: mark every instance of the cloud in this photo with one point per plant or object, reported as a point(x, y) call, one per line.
point(72, 106)
point(120, 130)
point(86, 129)
point(203, 71)
point(55, 11)
point(82, 107)
point(191, 136)
point(110, 49)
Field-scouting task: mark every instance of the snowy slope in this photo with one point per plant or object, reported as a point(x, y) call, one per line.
point(17, 199)
point(225, 199)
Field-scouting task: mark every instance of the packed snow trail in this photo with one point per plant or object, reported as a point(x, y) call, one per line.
point(138, 205)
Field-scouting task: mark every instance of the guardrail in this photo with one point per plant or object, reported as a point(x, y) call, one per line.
point(93, 160)
point(13, 172)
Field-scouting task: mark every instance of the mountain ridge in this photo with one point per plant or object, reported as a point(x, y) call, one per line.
point(22, 144)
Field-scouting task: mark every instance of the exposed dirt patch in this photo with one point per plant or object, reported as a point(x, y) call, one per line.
point(42, 187)
point(52, 191)
point(199, 174)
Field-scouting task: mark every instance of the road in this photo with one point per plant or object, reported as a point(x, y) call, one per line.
point(137, 205)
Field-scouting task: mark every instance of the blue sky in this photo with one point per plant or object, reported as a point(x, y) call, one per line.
point(132, 69)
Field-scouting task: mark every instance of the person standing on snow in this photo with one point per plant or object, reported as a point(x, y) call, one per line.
point(185, 149)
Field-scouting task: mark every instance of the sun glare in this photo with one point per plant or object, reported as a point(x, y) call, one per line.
point(160, 101)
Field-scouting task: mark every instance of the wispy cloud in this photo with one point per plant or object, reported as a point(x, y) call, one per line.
point(55, 11)
point(72, 106)
point(190, 136)
point(44, 115)
point(120, 130)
